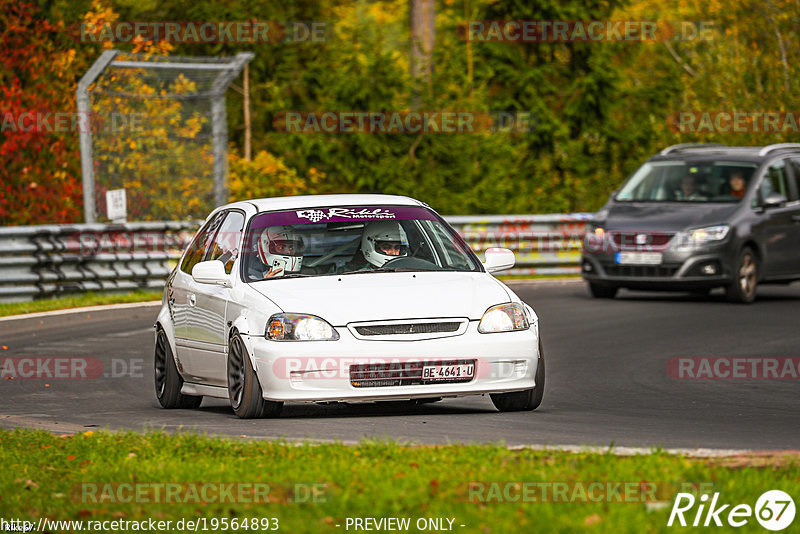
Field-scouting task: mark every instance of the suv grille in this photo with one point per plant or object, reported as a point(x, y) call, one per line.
point(365, 375)
point(651, 271)
point(631, 240)
point(408, 328)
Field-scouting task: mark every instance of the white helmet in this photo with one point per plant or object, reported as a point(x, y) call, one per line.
point(381, 236)
point(280, 247)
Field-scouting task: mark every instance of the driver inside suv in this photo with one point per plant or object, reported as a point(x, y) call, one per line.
point(688, 189)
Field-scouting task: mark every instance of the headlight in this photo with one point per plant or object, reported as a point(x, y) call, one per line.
point(594, 238)
point(504, 318)
point(597, 231)
point(701, 236)
point(299, 327)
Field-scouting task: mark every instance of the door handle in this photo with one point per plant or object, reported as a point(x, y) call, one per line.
point(192, 299)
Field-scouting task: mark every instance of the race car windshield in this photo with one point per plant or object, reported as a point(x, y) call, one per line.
point(684, 181)
point(330, 240)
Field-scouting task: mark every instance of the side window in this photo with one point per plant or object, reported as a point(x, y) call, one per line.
point(225, 247)
point(197, 250)
point(795, 164)
point(775, 181)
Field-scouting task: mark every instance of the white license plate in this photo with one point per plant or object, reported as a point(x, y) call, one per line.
point(448, 372)
point(639, 258)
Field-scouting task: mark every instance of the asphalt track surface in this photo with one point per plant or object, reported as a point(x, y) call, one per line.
point(607, 380)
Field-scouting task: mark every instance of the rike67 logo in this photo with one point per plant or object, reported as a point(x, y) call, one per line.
point(774, 510)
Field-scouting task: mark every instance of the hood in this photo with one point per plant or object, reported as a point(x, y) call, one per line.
point(385, 296)
point(666, 216)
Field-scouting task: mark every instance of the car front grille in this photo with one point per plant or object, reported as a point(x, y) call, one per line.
point(641, 241)
point(365, 375)
point(408, 328)
point(641, 271)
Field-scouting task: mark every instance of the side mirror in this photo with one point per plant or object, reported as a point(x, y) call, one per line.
point(211, 272)
point(498, 259)
point(613, 195)
point(775, 200)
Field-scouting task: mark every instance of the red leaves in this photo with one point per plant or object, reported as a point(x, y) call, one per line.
point(40, 169)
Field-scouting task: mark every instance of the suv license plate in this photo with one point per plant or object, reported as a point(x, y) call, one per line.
point(639, 258)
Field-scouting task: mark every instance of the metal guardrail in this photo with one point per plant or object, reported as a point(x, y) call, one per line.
point(544, 244)
point(51, 260)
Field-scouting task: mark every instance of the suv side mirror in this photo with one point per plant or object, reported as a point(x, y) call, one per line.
point(498, 259)
point(775, 200)
point(613, 195)
point(211, 272)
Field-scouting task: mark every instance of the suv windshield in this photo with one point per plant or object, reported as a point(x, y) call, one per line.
point(685, 181)
point(346, 240)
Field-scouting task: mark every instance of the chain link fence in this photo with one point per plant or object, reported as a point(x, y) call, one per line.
point(158, 135)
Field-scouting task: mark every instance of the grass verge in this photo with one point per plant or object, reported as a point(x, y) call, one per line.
point(77, 301)
point(314, 487)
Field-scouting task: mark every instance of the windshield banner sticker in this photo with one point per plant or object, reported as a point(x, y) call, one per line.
point(346, 213)
point(342, 214)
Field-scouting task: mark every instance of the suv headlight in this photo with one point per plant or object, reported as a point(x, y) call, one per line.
point(701, 236)
point(594, 238)
point(504, 318)
point(299, 327)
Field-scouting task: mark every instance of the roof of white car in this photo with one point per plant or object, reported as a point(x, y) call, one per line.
point(313, 201)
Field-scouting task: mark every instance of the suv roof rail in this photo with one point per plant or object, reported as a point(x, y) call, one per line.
point(769, 148)
point(675, 148)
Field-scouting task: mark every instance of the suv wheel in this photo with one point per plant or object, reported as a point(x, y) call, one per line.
point(600, 291)
point(743, 287)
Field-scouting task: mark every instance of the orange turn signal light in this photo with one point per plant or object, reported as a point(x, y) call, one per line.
point(276, 329)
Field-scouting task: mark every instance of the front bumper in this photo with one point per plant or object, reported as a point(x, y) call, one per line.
point(678, 270)
point(319, 371)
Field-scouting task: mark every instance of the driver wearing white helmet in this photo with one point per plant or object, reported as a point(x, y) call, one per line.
point(280, 249)
point(381, 242)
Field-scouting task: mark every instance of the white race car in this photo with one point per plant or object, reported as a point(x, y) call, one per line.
point(341, 298)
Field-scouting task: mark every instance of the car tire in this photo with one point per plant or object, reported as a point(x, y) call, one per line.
point(745, 283)
point(168, 381)
point(527, 400)
point(600, 291)
point(244, 390)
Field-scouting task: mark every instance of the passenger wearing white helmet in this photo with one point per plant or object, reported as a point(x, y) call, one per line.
point(280, 249)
